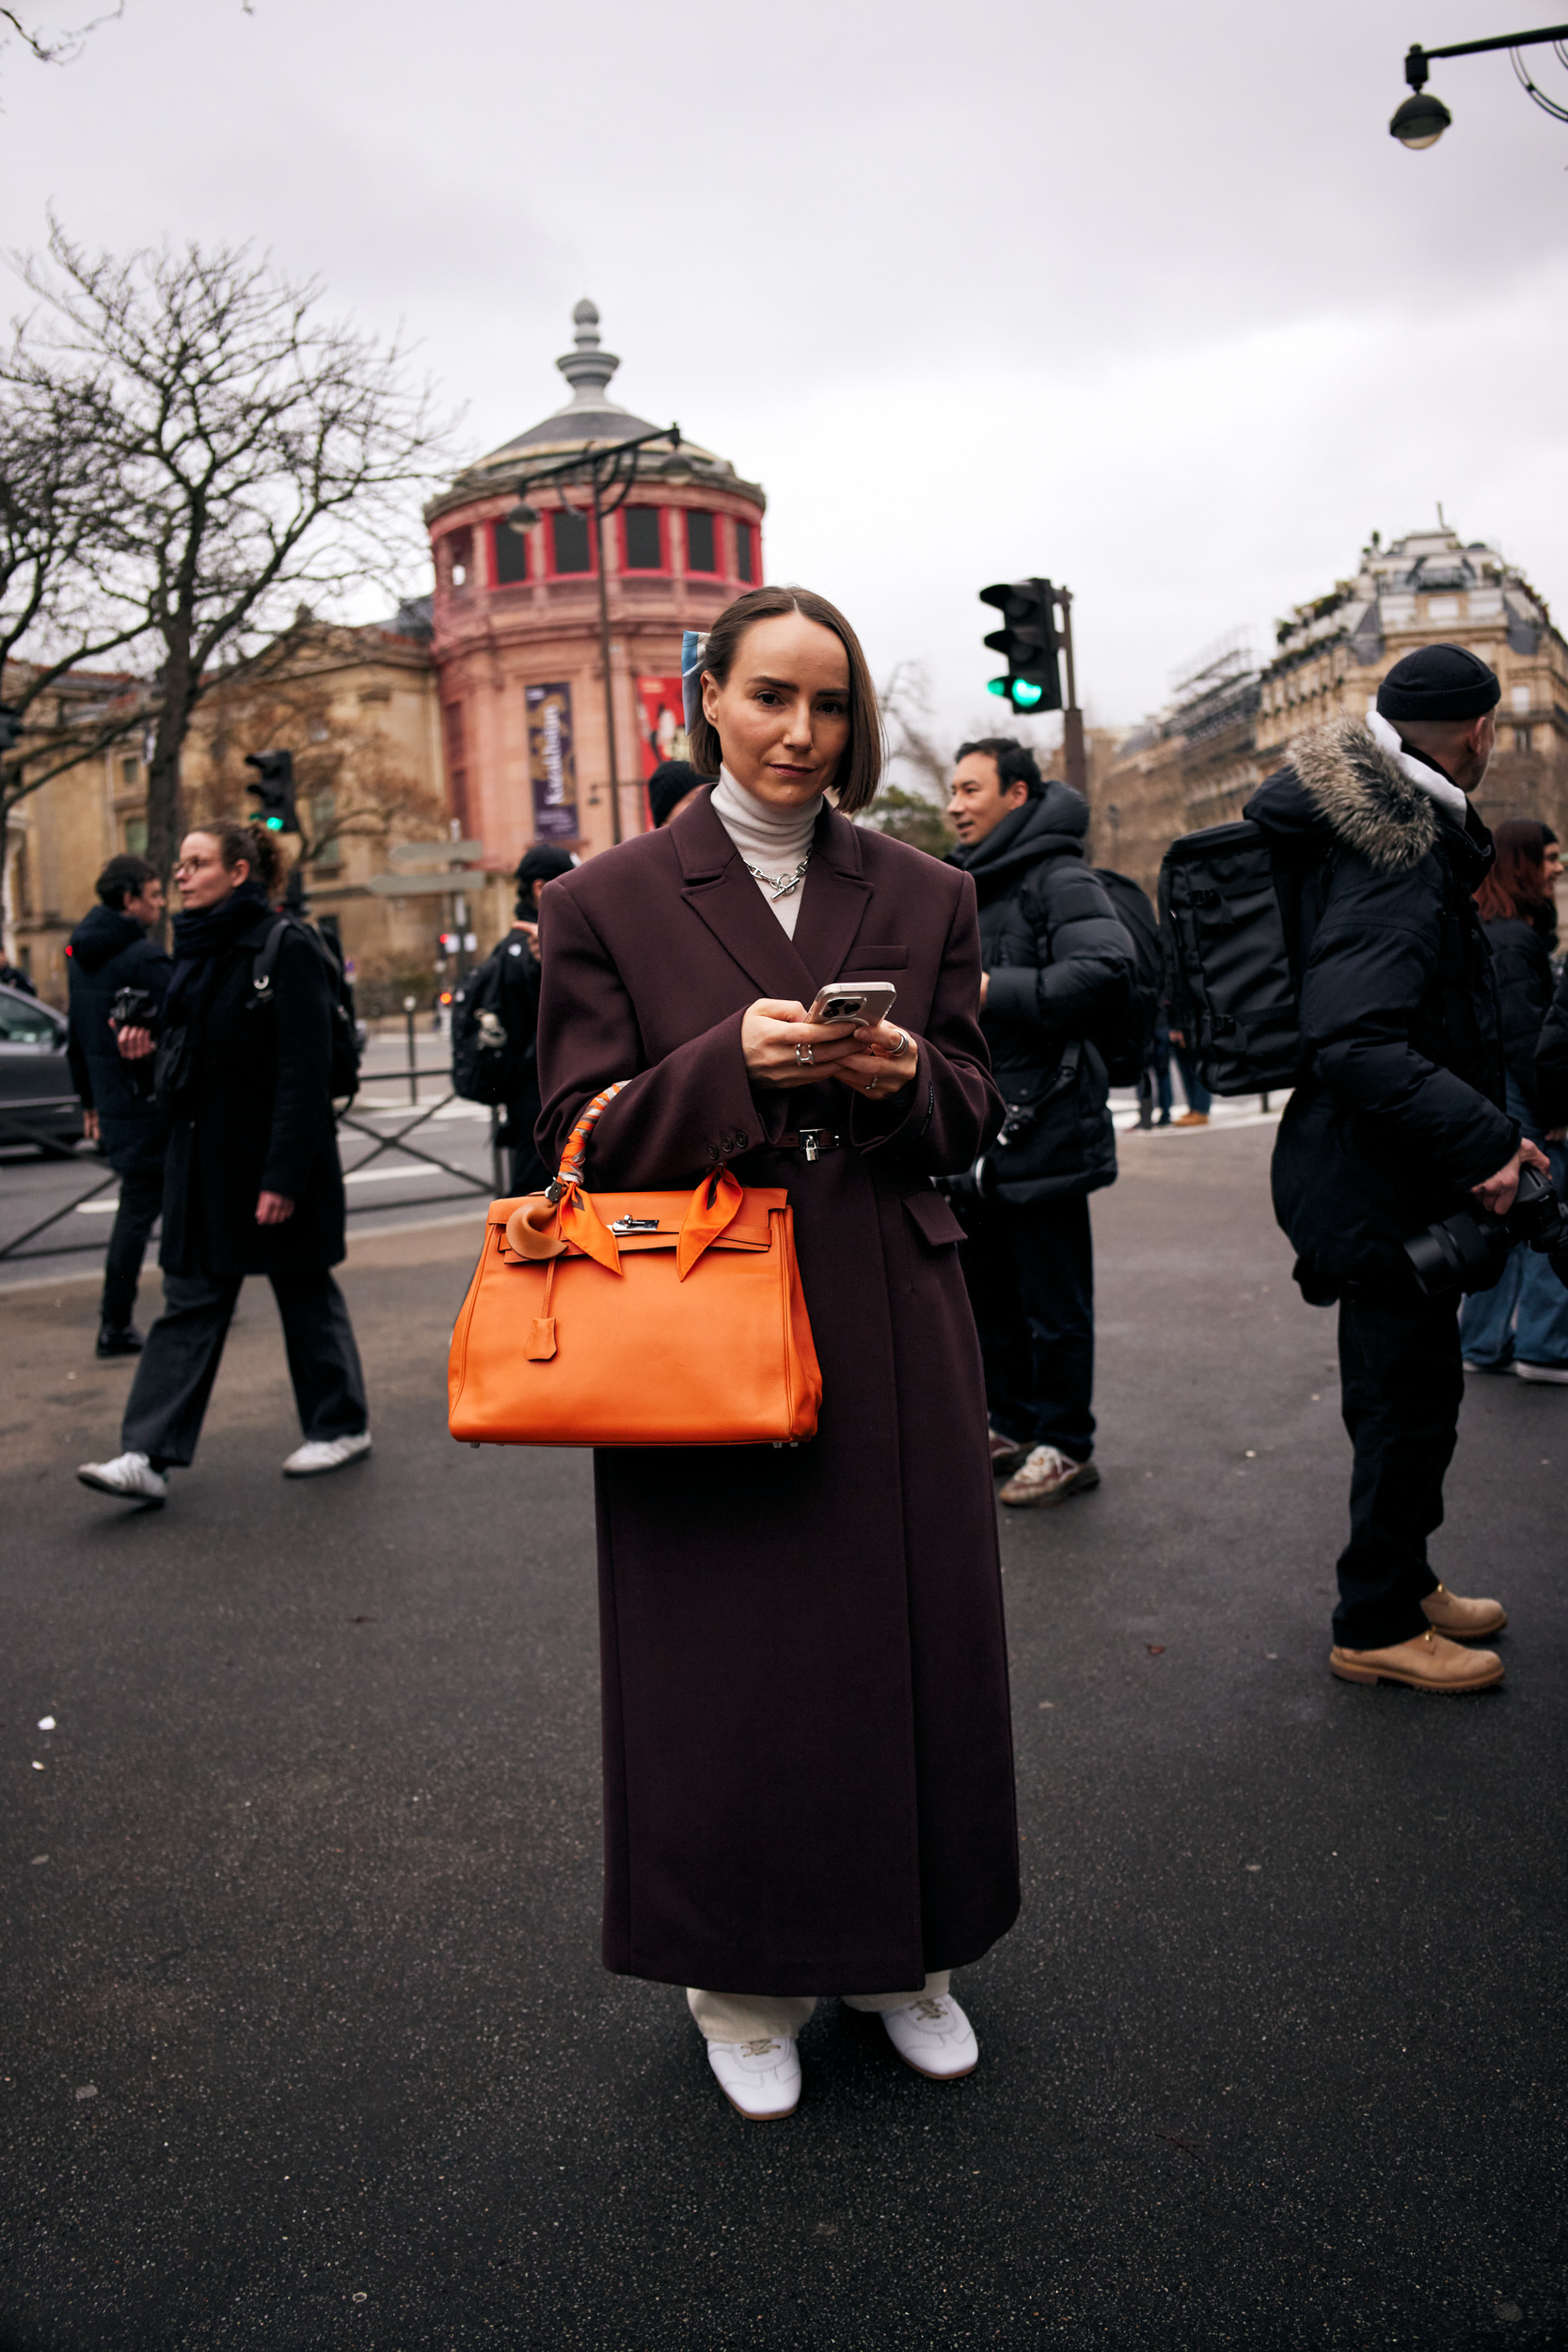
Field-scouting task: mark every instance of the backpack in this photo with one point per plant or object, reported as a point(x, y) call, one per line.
point(486, 1064)
point(1229, 900)
point(345, 1081)
point(1126, 1044)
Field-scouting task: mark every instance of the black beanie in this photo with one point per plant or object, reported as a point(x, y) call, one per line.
point(1439, 682)
point(541, 864)
point(670, 780)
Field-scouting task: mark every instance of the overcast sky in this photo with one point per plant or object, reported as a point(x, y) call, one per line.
point(1141, 299)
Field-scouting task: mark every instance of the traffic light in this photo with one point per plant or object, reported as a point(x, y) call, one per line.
point(1027, 643)
point(275, 791)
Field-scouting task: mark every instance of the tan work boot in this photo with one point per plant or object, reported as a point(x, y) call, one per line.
point(1191, 1119)
point(1425, 1662)
point(1463, 1620)
point(1050, 1476)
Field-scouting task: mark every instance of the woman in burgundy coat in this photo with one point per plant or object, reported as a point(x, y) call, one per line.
point(808, 1764)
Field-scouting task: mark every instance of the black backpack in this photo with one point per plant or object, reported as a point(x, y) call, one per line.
point(487, 1066)
point(345, 1026)
point(1127, 1042)
point(1230, 907)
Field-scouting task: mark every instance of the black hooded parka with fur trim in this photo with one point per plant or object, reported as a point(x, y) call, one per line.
point(1398, 1112)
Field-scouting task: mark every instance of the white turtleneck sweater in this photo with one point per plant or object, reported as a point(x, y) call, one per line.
point(773, 839)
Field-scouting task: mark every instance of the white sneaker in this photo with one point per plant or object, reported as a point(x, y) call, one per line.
point(318, 1455)
point(760, 2080)
point(1558, 1373)
point(1049, 1477)
point(129, 1474)
point(933, 2036)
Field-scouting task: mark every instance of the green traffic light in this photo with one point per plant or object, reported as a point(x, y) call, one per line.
point(1025, 696)
point(275, 824)
point(997, 686)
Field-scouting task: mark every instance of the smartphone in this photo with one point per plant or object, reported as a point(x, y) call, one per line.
point(863, 1002)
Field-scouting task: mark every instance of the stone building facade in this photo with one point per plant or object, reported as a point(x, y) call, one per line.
point(479, 712)
point(1230, 722)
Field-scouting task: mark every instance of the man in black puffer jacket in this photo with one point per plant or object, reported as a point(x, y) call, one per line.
point(1396, 1121)
point(111, 948)
point(1058, 967)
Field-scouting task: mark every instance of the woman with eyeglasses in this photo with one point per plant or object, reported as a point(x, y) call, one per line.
point(252, 1183)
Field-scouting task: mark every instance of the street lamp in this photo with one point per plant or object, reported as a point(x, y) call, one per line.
point(1423, 120)
point(607, 471)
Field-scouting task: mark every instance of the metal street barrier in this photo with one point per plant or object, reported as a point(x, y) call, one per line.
point(487, 1188)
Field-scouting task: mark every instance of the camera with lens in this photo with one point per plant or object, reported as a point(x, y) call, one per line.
point(1467, 1251)
point(134, 1008)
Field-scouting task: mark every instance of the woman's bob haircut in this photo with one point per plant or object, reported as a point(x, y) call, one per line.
point(860, 771)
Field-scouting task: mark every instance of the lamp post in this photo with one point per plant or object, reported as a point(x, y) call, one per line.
point(609, 469)
point(1423, 119)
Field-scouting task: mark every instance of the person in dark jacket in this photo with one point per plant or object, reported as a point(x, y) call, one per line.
point(12, 976)
point(252, 1182)
point(1397, 1120)
point(1521, 1325)
point(673, 785)
point(518, 958)
point(1059, 966)
point(111, 949)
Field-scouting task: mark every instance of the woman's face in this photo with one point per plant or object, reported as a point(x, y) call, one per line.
point(200, 876)
point(1551, 864)
point(783, 714)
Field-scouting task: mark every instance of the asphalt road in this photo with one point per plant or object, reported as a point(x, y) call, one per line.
point(305, 2044)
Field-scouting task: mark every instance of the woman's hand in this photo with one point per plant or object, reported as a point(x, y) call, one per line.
point(91, 1131)
point(1556, 1134)
point(273, 1208)
point(883, 1061)
point(135, 1044)
point(782, 1048)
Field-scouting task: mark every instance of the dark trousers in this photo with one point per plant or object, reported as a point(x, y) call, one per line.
point(1030, 1272)
point(141, 1197)
point(1401, 1382)
point(176, 1370)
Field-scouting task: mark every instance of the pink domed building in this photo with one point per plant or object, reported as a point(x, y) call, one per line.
point(518, 620)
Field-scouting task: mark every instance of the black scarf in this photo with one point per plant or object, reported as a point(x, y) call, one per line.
point(200, 936)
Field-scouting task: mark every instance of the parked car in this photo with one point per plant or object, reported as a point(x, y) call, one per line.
point(37, 1102)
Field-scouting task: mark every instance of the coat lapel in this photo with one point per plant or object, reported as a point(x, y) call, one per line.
point(718, 888)
point(834, 897)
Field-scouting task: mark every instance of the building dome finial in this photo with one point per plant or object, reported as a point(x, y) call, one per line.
point(588, 368)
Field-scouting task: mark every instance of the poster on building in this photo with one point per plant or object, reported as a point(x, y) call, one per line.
point(660, 723)
point(552, 765)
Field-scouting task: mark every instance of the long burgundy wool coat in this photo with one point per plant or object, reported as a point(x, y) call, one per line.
point(807, 1752)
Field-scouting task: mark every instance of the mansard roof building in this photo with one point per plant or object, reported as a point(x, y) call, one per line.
point(1231, 720)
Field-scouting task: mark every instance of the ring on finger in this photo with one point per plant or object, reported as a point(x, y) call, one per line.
point(805, 1055)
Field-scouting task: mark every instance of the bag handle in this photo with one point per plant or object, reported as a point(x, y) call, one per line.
point(713, 1208)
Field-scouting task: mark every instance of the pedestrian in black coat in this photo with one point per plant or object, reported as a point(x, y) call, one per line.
point(111, 948)
point(518, 957)
point(1397, 1120)
point(252, 1181)
point(1520, 1326)
point(1058, 967)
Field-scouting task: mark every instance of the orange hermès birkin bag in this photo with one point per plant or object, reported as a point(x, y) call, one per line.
point(635, 1318)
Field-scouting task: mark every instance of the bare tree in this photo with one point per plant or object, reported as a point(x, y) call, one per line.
point(257, 452)
point(60, 48)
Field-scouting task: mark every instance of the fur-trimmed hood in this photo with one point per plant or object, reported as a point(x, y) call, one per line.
point(1340, 781)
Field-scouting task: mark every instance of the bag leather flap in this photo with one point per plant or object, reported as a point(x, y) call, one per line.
point(749, 1229)
point(934, 1219)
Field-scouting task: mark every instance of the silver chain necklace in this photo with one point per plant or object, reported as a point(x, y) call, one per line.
point(780, 885)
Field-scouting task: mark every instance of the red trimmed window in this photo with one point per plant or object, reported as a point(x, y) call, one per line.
point(571, 541)
point(509, 551)
point(702, 550)
point(745, 553)
point(644, 546)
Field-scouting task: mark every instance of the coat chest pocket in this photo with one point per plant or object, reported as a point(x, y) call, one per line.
point(932, 1220)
